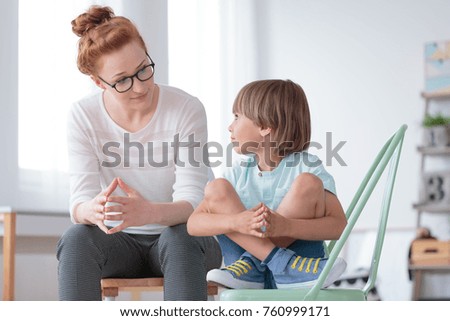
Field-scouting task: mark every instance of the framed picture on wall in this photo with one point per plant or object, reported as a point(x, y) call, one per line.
point(437, 67)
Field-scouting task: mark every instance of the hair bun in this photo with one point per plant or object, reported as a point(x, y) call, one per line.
point(93, 17)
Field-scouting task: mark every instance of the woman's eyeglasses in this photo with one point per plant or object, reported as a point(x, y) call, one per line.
point(143, 74)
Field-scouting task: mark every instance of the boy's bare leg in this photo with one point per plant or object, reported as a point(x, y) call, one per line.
point(221, 197)
point(304, 200)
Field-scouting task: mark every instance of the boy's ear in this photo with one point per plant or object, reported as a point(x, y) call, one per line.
point(98, 82)
point(265, 131)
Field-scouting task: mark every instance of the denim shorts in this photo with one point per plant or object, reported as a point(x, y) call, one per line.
point(231, 252)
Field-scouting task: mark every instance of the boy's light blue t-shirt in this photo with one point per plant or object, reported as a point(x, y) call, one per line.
point(270, 187)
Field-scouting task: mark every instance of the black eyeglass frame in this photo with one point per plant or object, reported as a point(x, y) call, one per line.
point(152, 64)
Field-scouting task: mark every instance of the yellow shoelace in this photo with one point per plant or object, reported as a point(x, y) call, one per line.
point(308, 265)
point(239, 267)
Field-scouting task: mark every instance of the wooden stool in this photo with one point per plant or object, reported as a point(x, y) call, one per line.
point(110, 287)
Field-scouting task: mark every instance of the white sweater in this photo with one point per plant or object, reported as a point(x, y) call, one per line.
point(147, 160)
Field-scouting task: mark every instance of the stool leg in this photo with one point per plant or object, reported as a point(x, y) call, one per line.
point(213, 290)
point(135, 295)
point(110, 294)
point(417, 285)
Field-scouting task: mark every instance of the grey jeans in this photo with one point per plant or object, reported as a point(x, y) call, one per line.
point(86, 255)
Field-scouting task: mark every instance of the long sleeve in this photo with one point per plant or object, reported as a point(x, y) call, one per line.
point(83, 163)
point(191, 172)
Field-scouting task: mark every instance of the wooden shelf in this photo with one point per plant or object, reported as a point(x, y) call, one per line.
point(433, 208)
point(434, 151)
point(437, 262)
point(430, 267)
point(436, 95)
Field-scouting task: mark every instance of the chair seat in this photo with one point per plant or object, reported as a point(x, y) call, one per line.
point(125, 283)
point(110, 287)
point(292, 295)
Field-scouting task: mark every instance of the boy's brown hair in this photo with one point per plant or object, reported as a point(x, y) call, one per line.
point(280, 105)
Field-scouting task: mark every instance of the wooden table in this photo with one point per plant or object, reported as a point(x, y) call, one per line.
point(8, 216)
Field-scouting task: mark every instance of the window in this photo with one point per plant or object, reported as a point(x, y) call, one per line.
point(212, 54)
point(48, 81)
point(194, 57)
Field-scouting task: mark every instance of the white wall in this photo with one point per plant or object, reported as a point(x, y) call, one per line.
point(8, 104)
point(361, 64)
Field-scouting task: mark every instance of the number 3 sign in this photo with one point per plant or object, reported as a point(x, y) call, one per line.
point(436, 187)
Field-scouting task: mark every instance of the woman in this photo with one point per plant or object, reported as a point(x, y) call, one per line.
point(134, 180)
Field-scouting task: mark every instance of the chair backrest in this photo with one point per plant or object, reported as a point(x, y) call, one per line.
point(390, 153)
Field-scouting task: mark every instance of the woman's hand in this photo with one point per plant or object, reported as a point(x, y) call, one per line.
point(92, 212)
point(133, 209)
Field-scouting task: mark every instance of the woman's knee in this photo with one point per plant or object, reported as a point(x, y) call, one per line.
point(77, 236)
point(176, 243)
point(179, 252)
point(174, 236)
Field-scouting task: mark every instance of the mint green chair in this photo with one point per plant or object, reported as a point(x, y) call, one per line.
point(390, 153)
